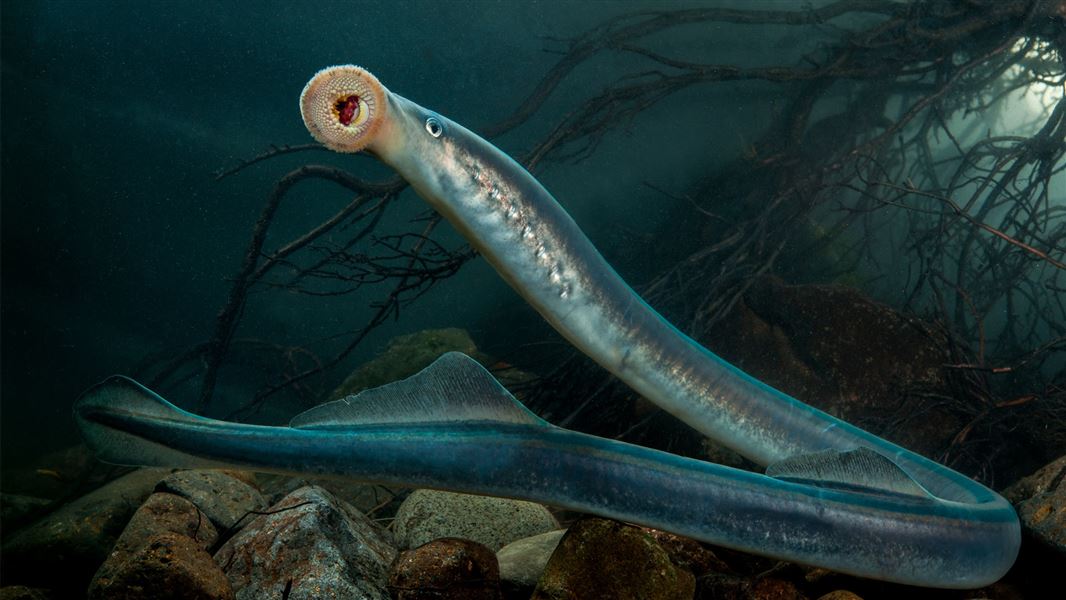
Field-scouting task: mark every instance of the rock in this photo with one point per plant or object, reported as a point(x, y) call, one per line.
point(405, 356)
point(446, 569)
point(169, 566)
point(688, 553)
point(1040, 500)
point(726, 586)
point(311, 544)
point(771, 588)
point(1044, 517)
point(274, 487)
point(599, 558)
point(1044, 480)
point(161, 513)
point(75, 539)
point(15, 508)
point(834, 348)
point(225, 499)
point(522, 561)
point(56, 473)
point(840, 595)
point(1007, 591)
point(21, 592)
point(495, 522)
point(248, 477)
point(364, 497)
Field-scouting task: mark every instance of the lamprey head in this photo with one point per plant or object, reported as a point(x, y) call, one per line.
point(344, 107)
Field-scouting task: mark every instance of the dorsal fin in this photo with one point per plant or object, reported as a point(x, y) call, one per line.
point(860, 469)
point(454, 388)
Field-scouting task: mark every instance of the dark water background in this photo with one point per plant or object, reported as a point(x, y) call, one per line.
point(117, 242)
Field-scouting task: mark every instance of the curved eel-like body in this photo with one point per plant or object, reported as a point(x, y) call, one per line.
point(923, 524)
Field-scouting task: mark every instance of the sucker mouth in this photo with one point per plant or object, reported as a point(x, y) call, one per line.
point(343, 107)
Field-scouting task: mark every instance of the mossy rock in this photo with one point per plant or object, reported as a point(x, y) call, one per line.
point(600, 558)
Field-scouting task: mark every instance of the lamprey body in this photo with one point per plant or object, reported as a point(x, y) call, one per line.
point(835, 496)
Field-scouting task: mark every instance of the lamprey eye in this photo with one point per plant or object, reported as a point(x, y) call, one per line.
point(343, 107)
point(434, 127)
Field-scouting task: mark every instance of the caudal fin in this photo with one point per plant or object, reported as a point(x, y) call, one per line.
point(125, 423)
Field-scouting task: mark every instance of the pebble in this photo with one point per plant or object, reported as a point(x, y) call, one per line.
point(522, 561)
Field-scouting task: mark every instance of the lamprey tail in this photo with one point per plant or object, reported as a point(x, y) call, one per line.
point(105, 412)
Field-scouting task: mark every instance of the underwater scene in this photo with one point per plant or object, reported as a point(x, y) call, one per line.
point(533, 299)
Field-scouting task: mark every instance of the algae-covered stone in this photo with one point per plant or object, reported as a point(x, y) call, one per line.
point(599, 558)
point(405, 356)
point(495, 522)
point(446, 569)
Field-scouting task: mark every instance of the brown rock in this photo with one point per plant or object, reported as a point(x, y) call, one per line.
point(170, 566)
point(834, 348)
point(770, 588)
point(599, 558)
point(446, 569)
point(724, 586)
point(1040, 500)
point(1044, 517)
point(161, 513)
point(1044, 480)
point(688, 553)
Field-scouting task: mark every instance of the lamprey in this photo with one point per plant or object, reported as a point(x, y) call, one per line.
point(833, 495)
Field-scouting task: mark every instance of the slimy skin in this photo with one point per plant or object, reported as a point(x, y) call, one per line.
point(480, 440)
point(537, 248)
point(838, 497)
